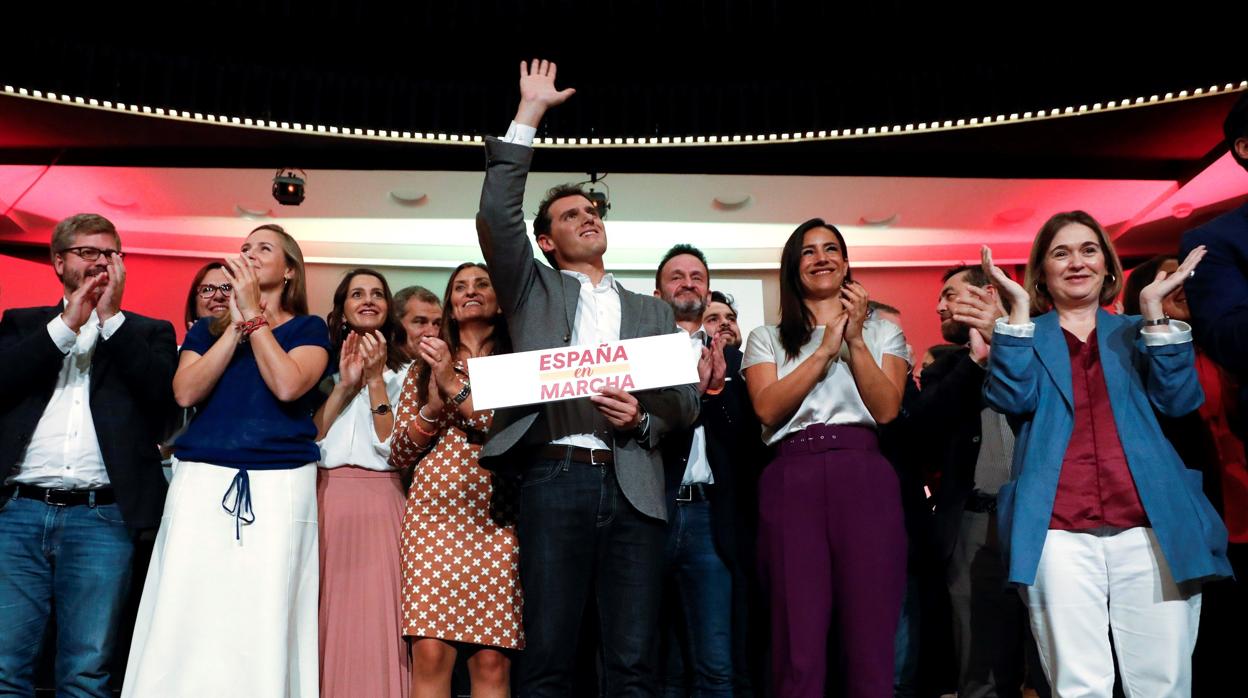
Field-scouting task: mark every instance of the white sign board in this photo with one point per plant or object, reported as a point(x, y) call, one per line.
point(566, 373)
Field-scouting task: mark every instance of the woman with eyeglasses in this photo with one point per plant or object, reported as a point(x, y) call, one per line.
point(230, 603)
point(360, 498)
point(209, 294)
point(1107, 534)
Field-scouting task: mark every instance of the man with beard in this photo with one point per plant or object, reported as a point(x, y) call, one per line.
point(972, 447)
point(85, 393)
point(720, 318)
point(710, 470)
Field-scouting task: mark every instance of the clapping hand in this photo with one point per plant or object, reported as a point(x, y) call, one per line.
point(833, 335)
point(437, 355)
point(82, 301)
point(1020, 304)
point(109, 303)
point(372, 350)
point(246, 295)
point(350, 362)
point(978, 309)
point(854, 298)
point(712, 367)
point(1164, 284)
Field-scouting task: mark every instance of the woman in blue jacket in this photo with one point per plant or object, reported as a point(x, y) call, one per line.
point(1105, 529)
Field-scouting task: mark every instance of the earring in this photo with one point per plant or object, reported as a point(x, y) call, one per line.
point(1112, 278)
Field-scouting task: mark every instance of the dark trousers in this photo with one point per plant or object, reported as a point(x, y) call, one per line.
point(700, 602)
point(1222, 645)
point(833, 551)
point(579, 537)
point(989, 619)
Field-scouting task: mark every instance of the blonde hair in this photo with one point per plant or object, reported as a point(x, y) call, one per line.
point(295, 292)
point(1034, 282)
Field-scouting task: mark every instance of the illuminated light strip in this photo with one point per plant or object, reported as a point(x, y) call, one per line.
point(632, 142)
point(647, 267)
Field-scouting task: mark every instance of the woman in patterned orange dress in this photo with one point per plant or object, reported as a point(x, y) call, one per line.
point(461, 587)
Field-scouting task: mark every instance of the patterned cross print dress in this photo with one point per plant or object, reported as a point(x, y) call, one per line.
point(461, 569)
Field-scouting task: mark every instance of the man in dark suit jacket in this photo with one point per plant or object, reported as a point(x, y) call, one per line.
point(1217, 293)
point(711, 469)
point(85, 390)
point(972, 447)
point(591, 508)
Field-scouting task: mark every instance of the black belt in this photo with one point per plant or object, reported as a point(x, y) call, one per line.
point(62, 498)
point(577, 454)
point(697, 492)
point(980, 503)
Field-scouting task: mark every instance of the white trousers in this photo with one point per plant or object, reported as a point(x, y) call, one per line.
point(1091, 584)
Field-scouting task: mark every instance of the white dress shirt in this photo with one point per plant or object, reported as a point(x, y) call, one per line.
point(352, 439)
point(597, 320)
point(698, 468)
point(64, 452)
point(597, 310)
point(835, 398)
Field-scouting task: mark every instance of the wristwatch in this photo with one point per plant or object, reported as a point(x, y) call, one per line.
point(381, 409)
point(643, 425)
point(464, 392)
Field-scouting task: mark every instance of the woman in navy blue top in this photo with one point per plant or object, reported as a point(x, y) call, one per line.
point(230, 603)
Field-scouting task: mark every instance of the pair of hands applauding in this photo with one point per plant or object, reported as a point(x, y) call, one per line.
point(101, 292)
point(245, 302)
point(362, 360)
point(848, 328)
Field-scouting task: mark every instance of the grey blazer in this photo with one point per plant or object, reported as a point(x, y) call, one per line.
point(540, 306)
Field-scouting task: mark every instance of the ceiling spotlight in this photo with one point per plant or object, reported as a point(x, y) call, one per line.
point(601, 199)
point(288, 187)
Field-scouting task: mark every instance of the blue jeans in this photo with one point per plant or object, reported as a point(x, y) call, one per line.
point(580, 539)
point(75, 559)
point(703, 586)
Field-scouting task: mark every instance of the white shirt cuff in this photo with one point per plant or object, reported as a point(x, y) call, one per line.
point(1027, 329)
point(1179, 333)
point(63, 337)
point(520, 134)
point(110, 325)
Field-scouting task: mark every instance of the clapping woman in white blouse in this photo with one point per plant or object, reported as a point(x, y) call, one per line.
point(831, 542)
point(360, 499)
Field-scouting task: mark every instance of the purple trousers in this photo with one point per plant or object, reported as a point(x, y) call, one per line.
point(832, 548)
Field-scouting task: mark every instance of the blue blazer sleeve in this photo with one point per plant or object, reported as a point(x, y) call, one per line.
point(1170, 377)
point(1011, 384)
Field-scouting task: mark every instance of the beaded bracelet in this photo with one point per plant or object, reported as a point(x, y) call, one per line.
point(246, 327)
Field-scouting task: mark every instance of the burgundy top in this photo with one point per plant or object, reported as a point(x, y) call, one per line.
point(1095, 488)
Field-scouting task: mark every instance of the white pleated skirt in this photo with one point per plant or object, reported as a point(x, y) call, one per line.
point(223, 615)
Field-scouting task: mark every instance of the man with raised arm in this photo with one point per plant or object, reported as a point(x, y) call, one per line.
point(592, 506)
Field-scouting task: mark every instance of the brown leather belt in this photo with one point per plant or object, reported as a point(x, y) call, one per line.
point(577, 454)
